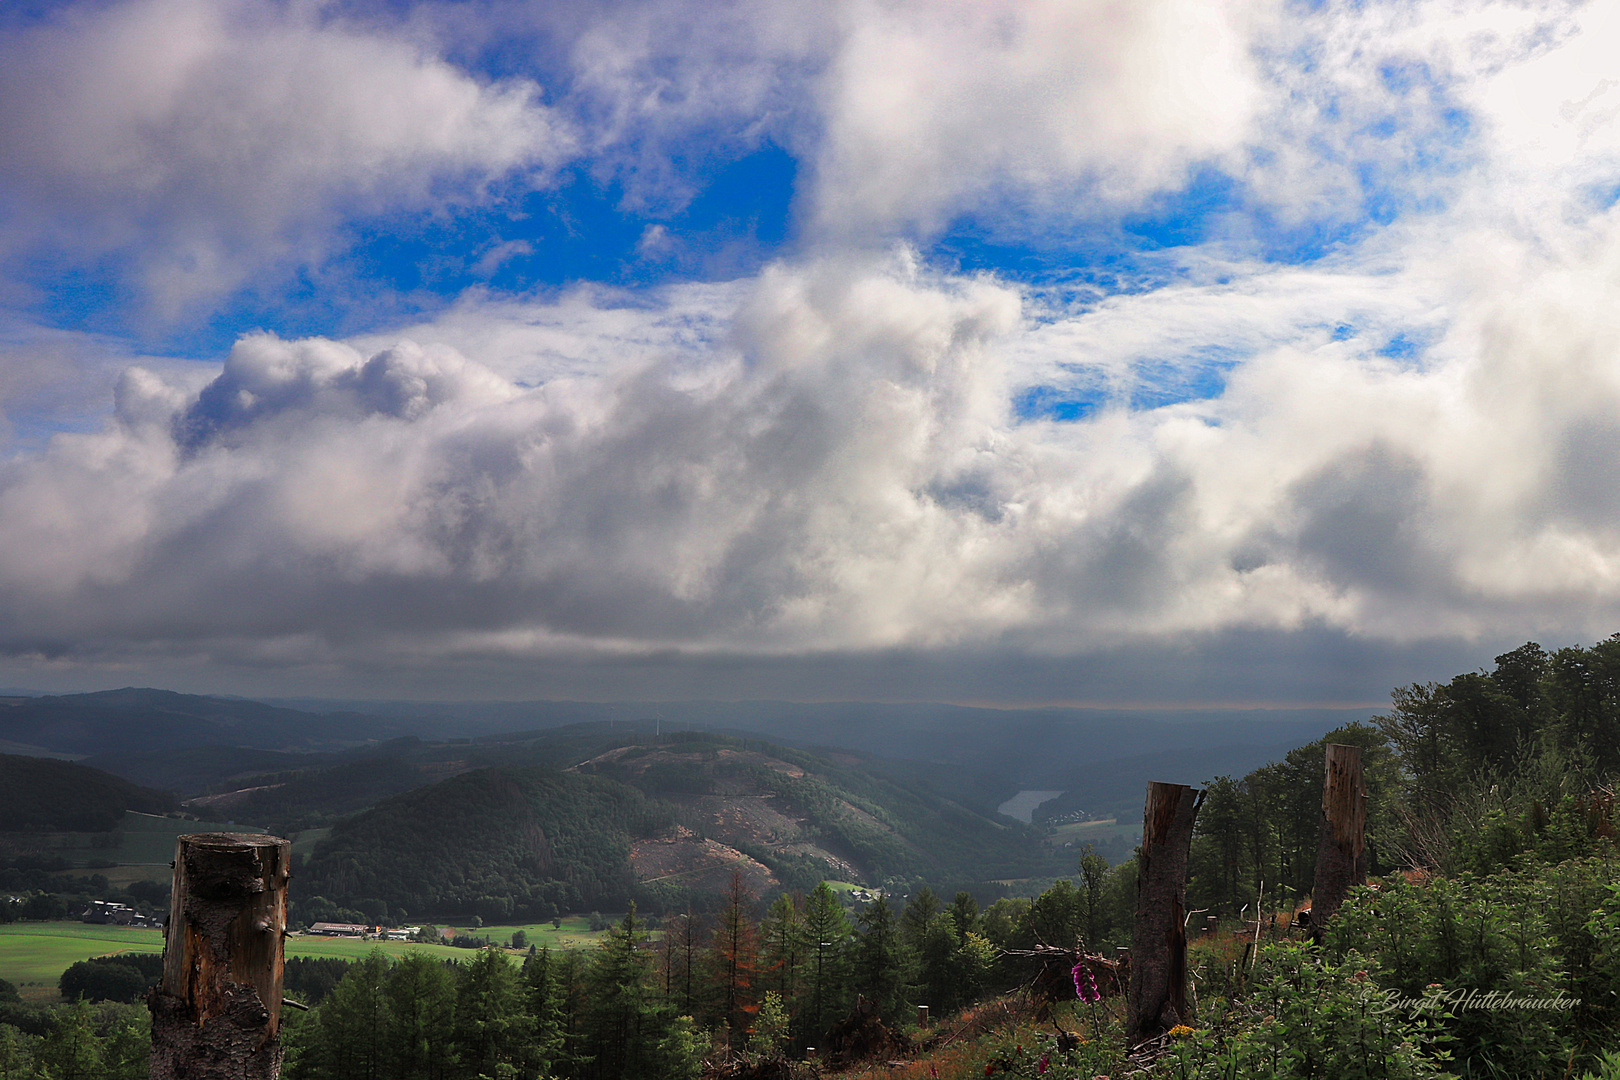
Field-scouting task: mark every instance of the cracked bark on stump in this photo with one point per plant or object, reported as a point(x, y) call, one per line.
point(217, 1013)
point(1341, 851)
point(1158, 993)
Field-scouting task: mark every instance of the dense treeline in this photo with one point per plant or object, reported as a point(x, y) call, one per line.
point(33, 887)
point(77, 1041)
point(1256, 836)
point(1493, 795)
point(500, 844)
point(122, 977)
point(731, 980)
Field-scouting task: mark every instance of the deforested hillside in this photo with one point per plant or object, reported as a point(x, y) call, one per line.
point(809, 816)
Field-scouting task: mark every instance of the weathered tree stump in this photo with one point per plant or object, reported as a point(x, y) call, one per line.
point(1341, 852)
point(1157, 1000)
point(217, 1013)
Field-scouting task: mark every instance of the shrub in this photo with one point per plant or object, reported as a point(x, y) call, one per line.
point(101, 982)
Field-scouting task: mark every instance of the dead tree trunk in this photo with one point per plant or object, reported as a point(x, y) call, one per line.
point(217, 1013)
point(1158, 995)
point(1341, 851)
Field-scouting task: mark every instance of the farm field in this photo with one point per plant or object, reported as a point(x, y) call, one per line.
point(35, 954)
point(354, 949)
point(576, 932)
point(1082, 831)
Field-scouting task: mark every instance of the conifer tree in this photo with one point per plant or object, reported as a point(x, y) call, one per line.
point(620, 1022)
point(964, 912)
point(349, 1038)
point(71, 1050)
point(826, 933)
point(882, 960)
point(680, 956)
point(543, 999)
point(734, 960)
point(421, 1000)
point(489, 1028)
point(782, 934)
point(920, 914)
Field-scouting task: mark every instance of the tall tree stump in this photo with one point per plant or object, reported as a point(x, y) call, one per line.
point(1157, 1000)
point(217, 1013)
point(1341, 851)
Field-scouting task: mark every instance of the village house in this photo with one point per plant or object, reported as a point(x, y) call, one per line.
point(103, 913)
point(340, 929)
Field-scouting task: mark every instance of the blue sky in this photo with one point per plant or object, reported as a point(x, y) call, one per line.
point(998, 352)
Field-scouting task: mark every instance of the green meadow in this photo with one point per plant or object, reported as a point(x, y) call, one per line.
point(1082, 831)
point(34, 955)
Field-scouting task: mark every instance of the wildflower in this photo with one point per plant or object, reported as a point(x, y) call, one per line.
point(1085, 987)
point(1046, 1059)
point(990, 1068)
point(1180, 1031)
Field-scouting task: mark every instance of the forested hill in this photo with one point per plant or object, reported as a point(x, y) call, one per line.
point(43, 795)
point(520, 842)
point(660, 822)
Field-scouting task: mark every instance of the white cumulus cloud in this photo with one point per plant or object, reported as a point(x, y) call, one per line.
point(202, 144)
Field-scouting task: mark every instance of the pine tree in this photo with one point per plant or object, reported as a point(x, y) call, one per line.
point(490, 1025)
point(964, 912)
point(70, 1049)
point(939, 978)
point(882, 961)
point(677, 953)
point(621, 1021)
point(421, 998)
point(827, 933)
point(544, 994)
point(921, 912)
point(734, 960)
point(784, 946)
point(349, 1039)
point(16, 1061)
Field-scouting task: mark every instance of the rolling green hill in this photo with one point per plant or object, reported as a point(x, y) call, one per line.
point(528, 842)
point(656, 821)
point(44, 795)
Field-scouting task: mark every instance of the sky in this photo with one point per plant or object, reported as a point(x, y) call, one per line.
point(1158, 353)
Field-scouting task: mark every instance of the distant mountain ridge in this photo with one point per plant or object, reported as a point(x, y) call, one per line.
point(1100, 758)
point(133, 720)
